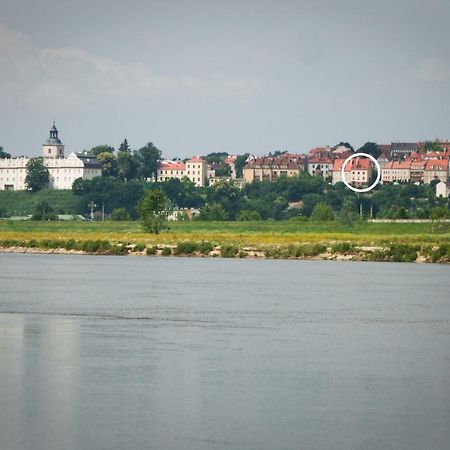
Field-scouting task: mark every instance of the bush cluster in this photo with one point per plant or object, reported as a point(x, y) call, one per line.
point(296, 251)
point(189, 248)
point(100, 247)
point(342, 247)
point(228, 251)
point(443, 251)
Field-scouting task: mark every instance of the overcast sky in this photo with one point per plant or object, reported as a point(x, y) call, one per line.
point(240, 76)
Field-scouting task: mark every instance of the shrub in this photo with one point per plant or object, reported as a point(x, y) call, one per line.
point(310, 249)
point(403, 253)
point(322, 212)
point(166, 251)
point(228, 251)
point(120, 214)
point(88, 246)
point(186, 248)
point(341, 247)
point(213, 211)
point(151, 250)
point(70, 244)
point(32, 244)
point(139, 247)
point(205, 247)
point(440, 252)
point(118, 249)
point(43, 211)
point(248, 215)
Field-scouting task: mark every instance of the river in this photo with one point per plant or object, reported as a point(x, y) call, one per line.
point(201, 354)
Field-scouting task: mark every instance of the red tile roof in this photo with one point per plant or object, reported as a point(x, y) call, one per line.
point(353, 164)
point(196, 159)
point(172, 166)
point(437, 164)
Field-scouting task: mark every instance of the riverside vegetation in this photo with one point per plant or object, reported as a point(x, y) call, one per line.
point(290, 239)
point(298, 217)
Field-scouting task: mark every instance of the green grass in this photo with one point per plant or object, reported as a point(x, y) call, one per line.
point(229, 233)
point(257, 227)
point(367, 241)
point(20, 203)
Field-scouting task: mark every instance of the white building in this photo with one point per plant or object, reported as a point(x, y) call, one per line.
point(63, 171)
point(442, 189)
point(195, 169)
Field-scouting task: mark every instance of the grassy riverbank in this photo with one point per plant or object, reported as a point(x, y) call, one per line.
point(286, 239)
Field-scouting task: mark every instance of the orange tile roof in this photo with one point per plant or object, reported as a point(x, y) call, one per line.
point(436, 164)
point(353, 164)
point(172, 166)
point(196, 159)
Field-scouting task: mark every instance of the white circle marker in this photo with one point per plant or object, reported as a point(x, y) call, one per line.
point(377, 165)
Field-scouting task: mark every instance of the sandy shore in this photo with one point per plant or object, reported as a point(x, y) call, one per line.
point(360, 254)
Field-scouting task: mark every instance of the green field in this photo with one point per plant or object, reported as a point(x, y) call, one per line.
point(21, 203)
point(241, 233)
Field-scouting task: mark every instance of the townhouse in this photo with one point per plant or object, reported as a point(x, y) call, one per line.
point(272, 167)
point(195, 169)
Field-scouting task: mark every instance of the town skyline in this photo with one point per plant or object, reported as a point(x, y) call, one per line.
point(165, 156)
point(198, 77)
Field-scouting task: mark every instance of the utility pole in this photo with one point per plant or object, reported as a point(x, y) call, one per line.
point(360, 205)
point(92, 205)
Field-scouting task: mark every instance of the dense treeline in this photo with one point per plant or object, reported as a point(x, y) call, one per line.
point(303, 196)
point(295, 197)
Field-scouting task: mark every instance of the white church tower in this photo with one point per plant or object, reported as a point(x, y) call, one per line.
point(53, 148)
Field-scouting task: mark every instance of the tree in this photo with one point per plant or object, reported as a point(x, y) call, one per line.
point(101, 149)
point(227, 195)
point(440, 212)
point(148, 159)
point(371, 148)
point(183, 193)
point(322, 212)
point(348, 215)
point(124, 147)
point(239, 163)
point(247, 215)
point(213, 211)
point(126, 166)
point(345, 144)
point(111, 192)
point(120, 214)
point(109, 164)
point(43, 211)
point(4, 154)
point(216, 157)
point(38, 175)
point(431, 146)
point(309, 202)
point(154, 209)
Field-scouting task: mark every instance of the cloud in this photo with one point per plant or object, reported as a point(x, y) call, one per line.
point(70, 78)
point(434, 69)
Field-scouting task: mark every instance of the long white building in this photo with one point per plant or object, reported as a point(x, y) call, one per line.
point(63, 171)
point(195, 169)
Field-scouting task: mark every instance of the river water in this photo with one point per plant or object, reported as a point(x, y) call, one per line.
point(182, 353)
